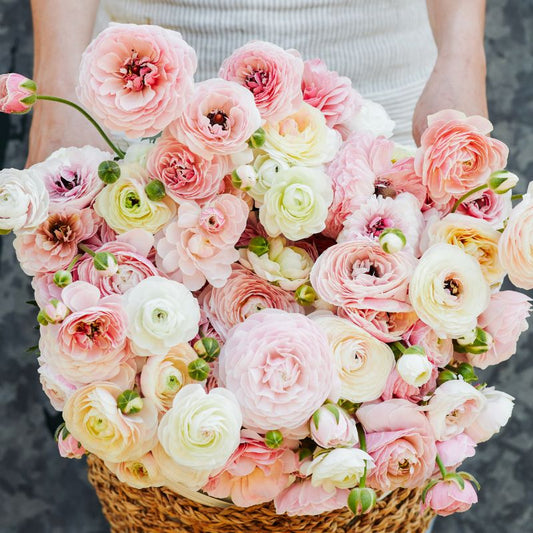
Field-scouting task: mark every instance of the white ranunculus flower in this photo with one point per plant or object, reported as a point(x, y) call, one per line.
point(493, 416)
point(454, 406)
point(137, 153)
point(266, 170)
point(448, 290)
point(139, 473)
point(302, 138)
point(372, 118)
point(362, 362)
point(161, 314)
point(341, 468)
point(297, 203)
point(202, 429)
point(415, 369)
point(24, 200)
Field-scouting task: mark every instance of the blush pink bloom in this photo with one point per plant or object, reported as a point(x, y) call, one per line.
point(400, 440)
point(45, 289)
point(17, 93)
point(55, 242)
point(255, 473)
point(454, 451)
point(398, 388)
point(54, 385)
point(302, 498)
point(360, 274)
point(438, 351)
point(447, 498)
point(69, 447)
point(504, 319)
point(220, 118)
point(353, 172)
point(489, 206)
point(200, 245)
point(136, 78)
point(244, 294)
point(271, 74)
point(277, 380)
point(333, 431)
point(186, 175)
point(456, 154)
point(330, 93)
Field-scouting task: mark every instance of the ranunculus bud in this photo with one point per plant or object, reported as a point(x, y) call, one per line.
point(361, 500)
point(244, 177)
point(446, 375)
point(69, 447)
point(155, 190)
point(467, 372)
point(414, 368)
point(480, 343)
point(62, 278)
point(305, 294)
point(198, 369)
point(257, 139)
point(41, 318)
point(273, 439)
point(106, 263)
point(207, 348)
point(129, 402)
point(55, 311)
point(109, 171)
point(392, 240)
point(332, 427)
point(17, 93)
point(259, 246)
point(502, 181)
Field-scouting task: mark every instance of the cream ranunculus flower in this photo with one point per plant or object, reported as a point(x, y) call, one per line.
point(164, 375)
point(302, 138)
point(92, 416)
point(125, 206)
point(161, 314)
point(362, 362)
point(297, 203)
point(448, 290)
point(286, 266)
point(473, 235)
point(139, 473)
point(202, 429)
point(266, 170)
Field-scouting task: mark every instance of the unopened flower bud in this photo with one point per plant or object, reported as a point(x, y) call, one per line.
point(392, 240)
point(259, 246)
point(502, 181)
point(273, 439)
point(446, 375)
point(55, 311)
point(361, 500)
point(244, 177)
point(305, 294)
point(129, 402)
point(17, 93)
point(414, 368)
point(155, 190)
point(467, 338)
point(467, 372)
point(109, 171)
point(480, 343)
point(62, 278)
point(105, 263)
point(198, 370)
point(257, 139)
point(41, 318)
point(207, 348)
point(332, 427)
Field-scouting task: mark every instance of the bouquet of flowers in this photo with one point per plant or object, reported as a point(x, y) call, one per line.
point(257, 295)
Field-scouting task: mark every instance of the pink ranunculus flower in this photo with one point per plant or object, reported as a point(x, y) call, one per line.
point(54, 385)
point(277, 380)
point(271, 74)
point(447, 498)
point(200, 245)
point(489, 206)
point(71, 176)
point(220, 118)
point(456, 154)
point(360, 274)
point(244, 294)
point(55, 242)
point(255, 473)
point(330, 93)
point(504, 319)
point(454, 451)
point(45, 289)
point(302, 498)
point(130, 250)
point(186, 175)
point(331, 431)
point(400, 440)
point(354, 172)
point(397, 387)
point(137, 78)
point(17, 93)
point(69, 447)
point(438, 351)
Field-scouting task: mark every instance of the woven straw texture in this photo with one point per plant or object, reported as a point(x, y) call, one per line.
point(158, 510)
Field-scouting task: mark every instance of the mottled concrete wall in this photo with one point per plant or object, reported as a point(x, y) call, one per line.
point(40, 492)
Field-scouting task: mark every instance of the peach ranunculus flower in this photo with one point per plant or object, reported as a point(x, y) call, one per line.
point(219, 119)
point(92, 416)
point(273, 75)
point(255, 473)
point(140, 473)
point(516, 243)
point(136, 78)
point(456, 154)
point(400, 440)
point(54, 244)
point(244, 294)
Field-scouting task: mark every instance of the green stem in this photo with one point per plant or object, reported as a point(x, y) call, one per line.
point(517, 197)
point(362, 443)
point(86, 249)
point(467, 195)
point(441, 466)
point(399, 346)
point(73, 262)
point(115, 149)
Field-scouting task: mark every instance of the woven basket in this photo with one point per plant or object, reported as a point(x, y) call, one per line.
point(158, 510)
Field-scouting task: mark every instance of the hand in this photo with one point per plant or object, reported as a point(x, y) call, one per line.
point(457, 82)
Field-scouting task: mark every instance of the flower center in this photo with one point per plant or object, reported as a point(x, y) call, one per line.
point(256, 81)
point(453, 286)
point(376, 226)
point(212, 219)
point(67, 181)
point(385, 189)
point(138, 73)
point(218, 118)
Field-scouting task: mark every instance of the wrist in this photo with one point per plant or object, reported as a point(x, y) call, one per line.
point(468, 59)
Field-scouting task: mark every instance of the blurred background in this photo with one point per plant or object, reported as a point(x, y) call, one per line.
point(41, 492)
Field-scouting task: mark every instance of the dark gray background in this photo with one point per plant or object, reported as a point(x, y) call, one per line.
point(40, 492)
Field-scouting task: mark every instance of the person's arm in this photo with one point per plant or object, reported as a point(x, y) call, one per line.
point(62, 30)
point(458, 79)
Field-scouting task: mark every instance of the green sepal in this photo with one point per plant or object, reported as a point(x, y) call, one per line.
point(453, 476)
point(334, 410)
point(316, 418)
point(471, 478)
point(427, 488)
